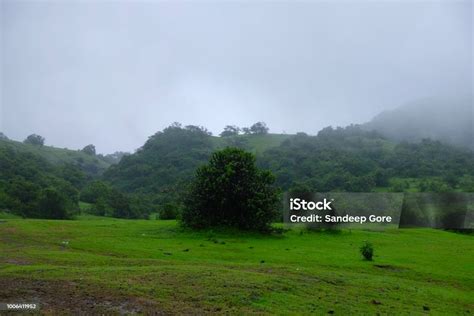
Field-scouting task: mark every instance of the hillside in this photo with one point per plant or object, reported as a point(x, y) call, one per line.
point(168, 160)
point(342, 159)
point(90, 164)
point(449, 120)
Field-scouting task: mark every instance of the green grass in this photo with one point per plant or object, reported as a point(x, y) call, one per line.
point(159, 267)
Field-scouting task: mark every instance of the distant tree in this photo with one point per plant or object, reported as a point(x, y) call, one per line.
point(169, 211)
point(231, 191)
point(238, 142)
point(246, 130)
point(259, 128)
point(115, 157)
point(72, 174)
point(34, 139)
point(89, 149)
point(120, 205)
point(198, 129)
point(3, 136)
point(467, 183)
point(230, 130)
point(96, 190)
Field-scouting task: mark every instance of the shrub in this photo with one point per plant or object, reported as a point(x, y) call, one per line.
point(53, 204)
point(169, 211)
point(231, 191)
point(367, 251)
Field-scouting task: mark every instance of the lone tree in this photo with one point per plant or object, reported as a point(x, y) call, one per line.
point(231, 191)
point(89, 149)
point(34, 139)
point(259, 128)
point(230, 130)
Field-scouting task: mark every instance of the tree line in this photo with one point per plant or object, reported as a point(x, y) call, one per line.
point(159, 176)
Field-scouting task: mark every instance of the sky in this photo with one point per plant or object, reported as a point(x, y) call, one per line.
point(112, 73)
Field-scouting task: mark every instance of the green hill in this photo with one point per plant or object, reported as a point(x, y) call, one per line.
point(449, 120)
point(342, 159)
point(90, 164)
point(168, 160)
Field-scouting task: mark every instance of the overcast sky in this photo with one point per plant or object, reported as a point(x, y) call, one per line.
point(113, 73)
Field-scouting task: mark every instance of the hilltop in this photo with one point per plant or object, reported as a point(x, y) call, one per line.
point(449, 120)
point(90, 164)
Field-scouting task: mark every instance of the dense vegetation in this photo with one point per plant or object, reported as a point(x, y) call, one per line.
point(165, 164)
point(45, 182)
point(32, 187)
point(351, 159)
point(156, 177)
point(91, 165)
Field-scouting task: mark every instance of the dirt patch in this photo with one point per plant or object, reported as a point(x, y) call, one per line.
point(18, 262)
point(389, 267)
point(70, 298)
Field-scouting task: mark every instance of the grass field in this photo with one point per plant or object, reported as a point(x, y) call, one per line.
point(99, 265)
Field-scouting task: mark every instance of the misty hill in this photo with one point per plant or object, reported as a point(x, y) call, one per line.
point(352, 159)
point(90, 164)
point(447, 120)
point(342, 159)
point(29, 182)
point(168, 159)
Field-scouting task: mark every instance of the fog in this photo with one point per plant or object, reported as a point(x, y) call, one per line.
point(114, 73)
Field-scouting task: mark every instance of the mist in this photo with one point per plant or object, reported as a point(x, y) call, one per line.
point(114, 73)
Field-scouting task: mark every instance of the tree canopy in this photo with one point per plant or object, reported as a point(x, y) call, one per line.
point(231, 191)
point(34, 139)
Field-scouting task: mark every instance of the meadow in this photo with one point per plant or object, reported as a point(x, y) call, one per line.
point(105, 265)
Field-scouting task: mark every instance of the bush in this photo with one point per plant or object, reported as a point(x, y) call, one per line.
point(169, 211)
point(53, 205)
point(367, 251)
point(231, 191)
point(94, 191)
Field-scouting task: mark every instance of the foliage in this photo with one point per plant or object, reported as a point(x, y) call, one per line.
point(89, 149)
point(108, 201)
point(22, 177)
point(164, 164)
point(34, 139)
point(231, 191)
point(113, 158)
point(367, 251)
point(230, 130)
point(169, 211)
point(53, 205)
point(92, 166)
point(351, 159)
point(259, 128)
